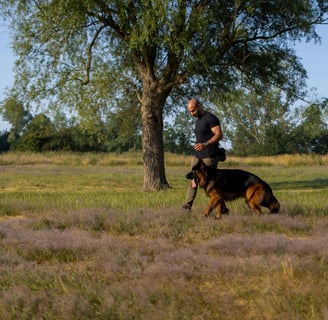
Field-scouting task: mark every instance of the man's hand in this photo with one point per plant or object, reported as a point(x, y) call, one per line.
point(200, 146)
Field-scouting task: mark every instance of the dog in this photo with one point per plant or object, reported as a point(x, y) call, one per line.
point(229, 184)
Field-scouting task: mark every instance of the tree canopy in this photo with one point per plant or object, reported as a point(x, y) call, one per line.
point(89, 55)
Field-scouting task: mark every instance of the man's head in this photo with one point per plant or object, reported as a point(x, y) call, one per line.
point(195, 108)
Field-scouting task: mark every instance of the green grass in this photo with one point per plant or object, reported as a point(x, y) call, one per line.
point(80, 240)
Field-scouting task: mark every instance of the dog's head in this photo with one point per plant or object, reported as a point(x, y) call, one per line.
point(198, 173)
point(274, 205)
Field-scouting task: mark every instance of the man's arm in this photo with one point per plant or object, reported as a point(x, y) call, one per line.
point(218, 135)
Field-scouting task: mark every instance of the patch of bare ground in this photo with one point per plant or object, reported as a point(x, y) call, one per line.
point(162, 264)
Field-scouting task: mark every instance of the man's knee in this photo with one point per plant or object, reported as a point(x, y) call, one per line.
point(211, 162)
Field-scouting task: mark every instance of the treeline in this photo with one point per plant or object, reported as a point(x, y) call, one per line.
point(43, 134)
point(269, 124)
point(253, 125)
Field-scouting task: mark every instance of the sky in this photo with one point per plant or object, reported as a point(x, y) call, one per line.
point(313, 57)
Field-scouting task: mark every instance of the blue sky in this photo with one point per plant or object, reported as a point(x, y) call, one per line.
point(313, 57)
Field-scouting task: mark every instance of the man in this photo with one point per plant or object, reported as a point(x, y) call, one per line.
point(208, 133)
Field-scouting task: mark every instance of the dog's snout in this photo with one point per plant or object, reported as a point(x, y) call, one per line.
point(190, 175)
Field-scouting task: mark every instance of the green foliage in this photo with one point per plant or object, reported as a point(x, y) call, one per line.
point(38, 134)
point(256, 123)
point(122, 132)
point(63, 44)
point(268, 124)
point(4, 143)
point(15, 112)
point(311, 136)
point(179, 133)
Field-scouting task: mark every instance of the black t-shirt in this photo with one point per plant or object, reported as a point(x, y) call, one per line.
point(203, 133)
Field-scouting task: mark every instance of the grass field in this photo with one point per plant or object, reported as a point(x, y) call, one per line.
point(80, 240)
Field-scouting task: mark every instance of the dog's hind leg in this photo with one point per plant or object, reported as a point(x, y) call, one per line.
point(254, 197)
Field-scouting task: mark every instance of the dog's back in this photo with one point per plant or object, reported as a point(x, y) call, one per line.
point(235, 181)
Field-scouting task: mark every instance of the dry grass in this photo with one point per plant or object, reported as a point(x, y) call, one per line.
point(281, 160)
point(135, 159)
point(80, 240)
point(73, 159)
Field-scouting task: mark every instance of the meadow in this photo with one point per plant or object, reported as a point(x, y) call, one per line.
point(79, 239)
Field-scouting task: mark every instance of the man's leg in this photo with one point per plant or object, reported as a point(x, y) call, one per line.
point(192, 189)
point(211, 162)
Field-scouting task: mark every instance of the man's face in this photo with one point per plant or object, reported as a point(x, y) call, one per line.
point(193, 109)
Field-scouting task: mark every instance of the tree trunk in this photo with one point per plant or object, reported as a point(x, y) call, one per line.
point(152, 139)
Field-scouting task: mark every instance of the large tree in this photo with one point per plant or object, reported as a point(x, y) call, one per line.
point(151, 47)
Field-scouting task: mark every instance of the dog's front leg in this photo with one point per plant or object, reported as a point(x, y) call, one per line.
point(214, 202)
point(221, 209)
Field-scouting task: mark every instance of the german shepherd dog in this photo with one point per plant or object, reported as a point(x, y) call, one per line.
point(229, 184)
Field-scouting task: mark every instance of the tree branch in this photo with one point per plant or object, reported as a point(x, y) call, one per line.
point(88, 66)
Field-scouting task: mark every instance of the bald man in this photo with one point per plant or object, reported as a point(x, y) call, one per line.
point(208, 134)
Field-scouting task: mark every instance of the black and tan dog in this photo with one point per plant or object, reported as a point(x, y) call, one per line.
point(229, 184)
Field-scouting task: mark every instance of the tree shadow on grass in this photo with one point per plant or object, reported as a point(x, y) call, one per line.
point(318, 183)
